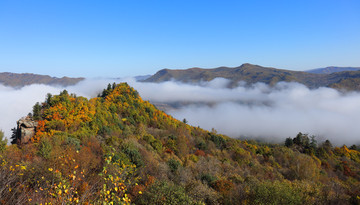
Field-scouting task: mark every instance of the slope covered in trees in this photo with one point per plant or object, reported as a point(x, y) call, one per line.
point(119, 149)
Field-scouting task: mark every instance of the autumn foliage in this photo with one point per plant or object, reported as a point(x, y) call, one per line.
point(119, 149)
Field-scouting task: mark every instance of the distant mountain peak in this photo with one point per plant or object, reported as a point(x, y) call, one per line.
point(248, 64)
point(332, 69)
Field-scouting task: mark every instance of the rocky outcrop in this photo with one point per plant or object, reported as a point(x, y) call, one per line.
point(26, 128)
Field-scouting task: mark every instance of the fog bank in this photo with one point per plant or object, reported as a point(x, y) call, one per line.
point(257, 111)
point(263, 111)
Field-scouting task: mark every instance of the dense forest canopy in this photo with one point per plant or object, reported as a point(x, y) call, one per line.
point(118, 149)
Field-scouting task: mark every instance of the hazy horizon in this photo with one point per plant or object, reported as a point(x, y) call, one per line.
point(149, 74)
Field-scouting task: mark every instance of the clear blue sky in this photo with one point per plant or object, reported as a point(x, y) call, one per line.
point(126, 38)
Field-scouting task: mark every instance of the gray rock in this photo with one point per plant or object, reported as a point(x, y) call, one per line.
point(26, 128)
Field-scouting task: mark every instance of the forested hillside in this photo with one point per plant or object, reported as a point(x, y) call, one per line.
point(118, 149)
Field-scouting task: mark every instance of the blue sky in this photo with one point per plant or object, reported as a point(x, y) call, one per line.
point(126, 38)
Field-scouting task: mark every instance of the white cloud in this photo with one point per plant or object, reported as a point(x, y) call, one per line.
point(257, 111)
point(262, 111)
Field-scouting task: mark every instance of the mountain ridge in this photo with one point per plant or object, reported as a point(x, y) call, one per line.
point(332, 69)
point(23, 79)
point(251, 74)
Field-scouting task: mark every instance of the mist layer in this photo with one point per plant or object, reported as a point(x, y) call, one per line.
point(261, 111)
point(258, 111)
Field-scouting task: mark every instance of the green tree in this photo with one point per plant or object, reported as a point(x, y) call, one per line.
point(219, 141)
point(302, 140)
point(14, 136)
point(109, 87)
point(289, 142)
point(48, 100)
point(37, 111)
point(313, 142)
point(327, 145)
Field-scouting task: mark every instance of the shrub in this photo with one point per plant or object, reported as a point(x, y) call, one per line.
point(201, 145)
point(208, 179)
point(223, 186)
point(134, 156)
point(74, 142)
point(219, 141)
point(45, 148)
point(200, 153)
point(173, 165)
point(163, 192)
point(274, 193)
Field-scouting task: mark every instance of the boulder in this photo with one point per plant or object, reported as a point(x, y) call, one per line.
point(26, 128)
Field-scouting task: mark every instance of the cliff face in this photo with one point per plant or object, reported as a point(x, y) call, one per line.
point(25, 130)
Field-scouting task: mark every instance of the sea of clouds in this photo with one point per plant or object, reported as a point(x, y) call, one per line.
point(257, 111)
